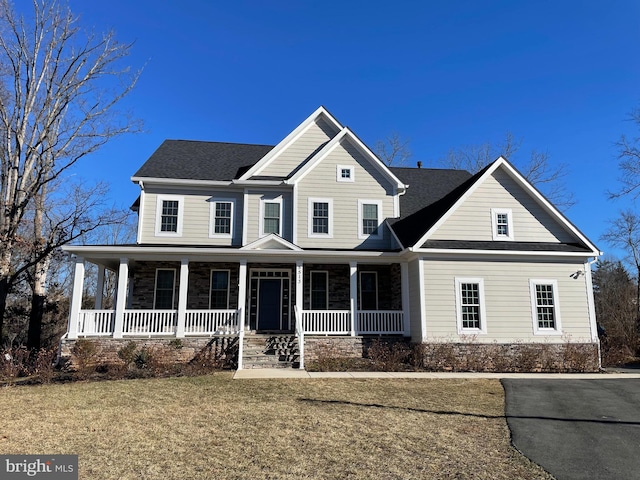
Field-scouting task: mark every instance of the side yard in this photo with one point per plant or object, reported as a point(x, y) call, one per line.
point(212, 427)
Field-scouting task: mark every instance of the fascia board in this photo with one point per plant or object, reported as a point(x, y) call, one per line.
point(180, 181)
point(509, 253)
point(288, 140)
point(318, 157)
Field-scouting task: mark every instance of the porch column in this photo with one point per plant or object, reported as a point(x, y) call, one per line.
point(182, 297)
point(76, 299)
point(353, 272)
point(242, 293)
point(299, 284)
point(404, 279)
point(121, 297)
point(99, 288)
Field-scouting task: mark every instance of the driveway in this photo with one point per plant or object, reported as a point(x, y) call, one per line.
point(577, 429)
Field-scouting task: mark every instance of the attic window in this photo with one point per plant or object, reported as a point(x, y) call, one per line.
point(344, 173)
point(502, 224)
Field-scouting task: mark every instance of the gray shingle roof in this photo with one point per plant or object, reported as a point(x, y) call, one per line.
point(196, 160)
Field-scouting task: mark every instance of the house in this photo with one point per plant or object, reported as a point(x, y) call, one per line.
point(319, 245)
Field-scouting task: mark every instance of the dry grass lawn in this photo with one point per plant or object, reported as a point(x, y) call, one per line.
point(213, 427)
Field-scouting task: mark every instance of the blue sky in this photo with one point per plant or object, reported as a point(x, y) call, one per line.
point(561, 75)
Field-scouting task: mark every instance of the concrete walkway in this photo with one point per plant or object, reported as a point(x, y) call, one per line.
point(295, 373)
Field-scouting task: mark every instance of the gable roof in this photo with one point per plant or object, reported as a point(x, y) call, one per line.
point(197, 160)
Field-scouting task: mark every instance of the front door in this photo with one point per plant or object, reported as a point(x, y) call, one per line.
point(270, 304)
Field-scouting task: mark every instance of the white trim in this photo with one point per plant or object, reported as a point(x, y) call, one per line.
point(378, 234)
point(494, 224)
point(294, 210)
point(352, 173)
point(180, 181)
point(557, 330)
point(263, 200)
point(502, 162)
point(290, 139)
point(526, 253)
point(160, 199)
point(423, 298)
point(360, 307)
point(182, 297)
point(140, 214)
point(310, 205)
point(212, 218)
point(245, 215)
point(483, 313)
point(590, 300)
point(272, 237)
point(288, 278)
point(211, 284)
point(326, 286)
point(155, 289)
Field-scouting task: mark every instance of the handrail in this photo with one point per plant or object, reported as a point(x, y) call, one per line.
point(300, 334)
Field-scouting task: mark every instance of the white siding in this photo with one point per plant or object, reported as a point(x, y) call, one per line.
point(318, 133)
point(195, 224)
point(322, 182)
point(507, 299)
point(472, 220)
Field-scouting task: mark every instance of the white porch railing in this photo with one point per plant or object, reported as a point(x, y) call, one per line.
point(95, 322)
point(211, 322)
point(379, 322)
point(149, 322)
point(327, 322)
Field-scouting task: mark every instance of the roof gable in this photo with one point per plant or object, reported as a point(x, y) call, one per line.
point(271, 242)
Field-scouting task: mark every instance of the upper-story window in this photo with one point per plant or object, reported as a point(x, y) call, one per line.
point(221, 218)
point(369, 212)
point(345, 173)
point(271, 216)
point(169, 214)
point(320, 217)
point(502, 223)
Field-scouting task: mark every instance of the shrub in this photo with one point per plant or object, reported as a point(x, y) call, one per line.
point(86, 353)
point(127, 353)
point(44, 363)
point(15, 363)
point(389, 357)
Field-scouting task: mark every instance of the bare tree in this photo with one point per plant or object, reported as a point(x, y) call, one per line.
point(393, 150)
point(629, 161)
point(59, 87)
point(537, 169)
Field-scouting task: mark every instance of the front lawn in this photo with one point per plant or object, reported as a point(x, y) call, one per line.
point(213, 427)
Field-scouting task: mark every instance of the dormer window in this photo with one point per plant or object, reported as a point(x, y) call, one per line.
point(502, 224)
point(344, 173)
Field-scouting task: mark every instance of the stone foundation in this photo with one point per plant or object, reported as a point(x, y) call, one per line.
point(163, 350)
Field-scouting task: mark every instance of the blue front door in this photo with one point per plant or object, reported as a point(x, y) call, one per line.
point(270, 304)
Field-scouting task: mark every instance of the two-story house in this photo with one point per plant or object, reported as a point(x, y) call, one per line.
point(316, 237)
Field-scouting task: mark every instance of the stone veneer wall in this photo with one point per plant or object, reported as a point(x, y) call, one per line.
point(164, 350)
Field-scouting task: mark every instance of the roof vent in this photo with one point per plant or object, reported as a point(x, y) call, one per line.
point(419, 164)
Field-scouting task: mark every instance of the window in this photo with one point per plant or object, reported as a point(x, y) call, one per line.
point(470, 312)
point(368, 291)
point(219, 295)
point(319, 290)
point(169, 215)
point(502, 224)
point(320, 217)
point(221, 218)
point(164, 291)
point(544, 307)
point(345, 173)
point(271, 217)
point(369, 218)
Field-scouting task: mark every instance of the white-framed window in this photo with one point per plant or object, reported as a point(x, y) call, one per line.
point(545, 307)
point(271, 216)
point(221, 217)
point(319, 290)
point(502, 223)
point(320, 217)
point(345, 173)
point(164, 290)
point(368, 290)
point(470, 310)
point(219, 290)
point(169, 215)
point(369, 215)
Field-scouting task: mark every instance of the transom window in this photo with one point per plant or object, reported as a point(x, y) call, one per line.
point(164, 290)
point(319, 290)
point(219, 295)
point(271, 219)
point(470, 305)
point(544, 306)
point(502, 224)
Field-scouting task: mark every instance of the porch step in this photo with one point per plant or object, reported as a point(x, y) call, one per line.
point(270, 351)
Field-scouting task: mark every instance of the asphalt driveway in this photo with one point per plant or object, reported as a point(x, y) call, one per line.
point(577, 429)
